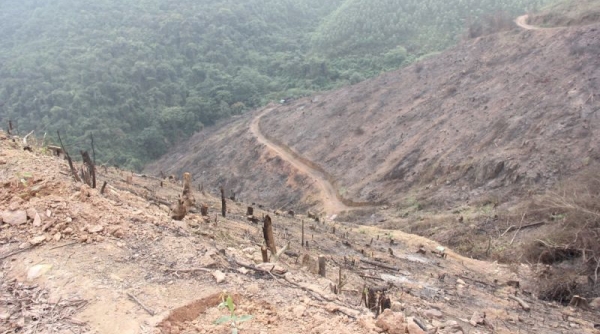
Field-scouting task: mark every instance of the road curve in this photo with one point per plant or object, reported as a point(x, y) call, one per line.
point(521, 21)
point(329, 196)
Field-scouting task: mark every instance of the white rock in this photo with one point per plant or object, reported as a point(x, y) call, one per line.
point(37, 240)
point(37, 220)
point(219, 276)
point(38, 271)
point(96, 228)
point(18, 217)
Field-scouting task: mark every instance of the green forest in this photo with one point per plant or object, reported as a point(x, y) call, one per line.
point(142, 75)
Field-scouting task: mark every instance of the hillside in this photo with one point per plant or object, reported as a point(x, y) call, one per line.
point(496, 133)
point(76, 259)
point(143, 75)
point(485, 119)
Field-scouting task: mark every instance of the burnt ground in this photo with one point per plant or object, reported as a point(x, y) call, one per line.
point(94, 253)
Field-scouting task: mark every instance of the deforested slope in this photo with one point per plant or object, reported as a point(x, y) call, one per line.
point(499, 116)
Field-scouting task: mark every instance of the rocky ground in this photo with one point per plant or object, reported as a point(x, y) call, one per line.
point(73, 260)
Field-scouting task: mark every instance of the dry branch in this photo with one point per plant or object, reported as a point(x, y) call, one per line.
point(379, 264)
point(521, 302)
point(140, 304)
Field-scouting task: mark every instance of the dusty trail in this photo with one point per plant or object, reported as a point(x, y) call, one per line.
point(331, 202)
point(521, 21)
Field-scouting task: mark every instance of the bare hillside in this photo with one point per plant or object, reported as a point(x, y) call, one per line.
point(496, 118)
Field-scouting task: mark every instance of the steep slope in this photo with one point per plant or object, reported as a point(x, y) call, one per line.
point(75, 259)
point(494, 118)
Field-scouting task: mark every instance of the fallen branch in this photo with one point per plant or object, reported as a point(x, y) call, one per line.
point(65, 245)
point(191, 270)
point(379, 264)
point(140, 304)
point(2, 257)
point(73, 171)
point(521, 302)
point(513, 227)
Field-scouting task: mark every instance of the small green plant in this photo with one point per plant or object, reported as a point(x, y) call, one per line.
point(232, 317)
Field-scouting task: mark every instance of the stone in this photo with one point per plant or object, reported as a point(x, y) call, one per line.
point(57, 236)
point(391, 322)
point(397, 307)
point(68, 230)
point(461, 282)
point(37, 240)
point(477, 319)
point(433, 313)
point(595, 303)
point(96, 228)
point(14, 218)
point(24, 245)
point(219, 276)
point(48, 213)
point(298, 311)
point(37, 220)
point(38, 271)
point(31, 212)
point(413, 328)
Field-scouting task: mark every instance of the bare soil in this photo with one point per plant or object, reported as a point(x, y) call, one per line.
point(116, 263)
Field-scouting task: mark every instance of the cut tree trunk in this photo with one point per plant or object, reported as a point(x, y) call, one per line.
point(223, 203)
point(268, 234)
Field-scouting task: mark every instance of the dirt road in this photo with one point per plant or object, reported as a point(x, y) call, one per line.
point(521, 21)
point(329, 195)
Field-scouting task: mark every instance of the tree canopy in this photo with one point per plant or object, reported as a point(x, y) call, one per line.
point(141, 75)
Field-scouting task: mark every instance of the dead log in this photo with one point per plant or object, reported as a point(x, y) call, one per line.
point(521, 302)
point(322, 266)
point(89, 170)
point(73, 170)
point(185, 201)
point(223, 203)
point(186, 192)
point(268, 234)
point(302, 241)
point(379, 264)
point(265, 254)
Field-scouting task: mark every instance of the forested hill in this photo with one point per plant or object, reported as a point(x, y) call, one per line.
point(143, 74)
point(362, 27)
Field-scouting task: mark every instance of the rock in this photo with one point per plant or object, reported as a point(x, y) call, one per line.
point(38, 240)
point(397, 307)
point(57, 236)
point(461, 282)
point(391, 322)
point(14, 218)
point(272, 267)
point(368, 324)
point(4, 316)
point(31, 212)
point(119, 233)
point(96, 228)
point(24, 245)
point(433, 313)
point(595, 303)
point(13, 206)
point(219, 276)
point(37, 220)
point(477, 319)
point(298, 311)
point(68, 230)
point(38, 271)
point(48, 213)
point(413, 328)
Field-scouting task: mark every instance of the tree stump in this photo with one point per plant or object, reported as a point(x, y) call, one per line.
point(268, 234)
point(322, 266)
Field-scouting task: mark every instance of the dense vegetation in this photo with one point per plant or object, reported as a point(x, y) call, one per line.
point(141, 75)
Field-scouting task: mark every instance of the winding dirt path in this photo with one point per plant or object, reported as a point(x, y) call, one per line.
point(521, 21)
point(329, 195)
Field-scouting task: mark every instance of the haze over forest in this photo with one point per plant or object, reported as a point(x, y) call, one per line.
point(142, 75)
